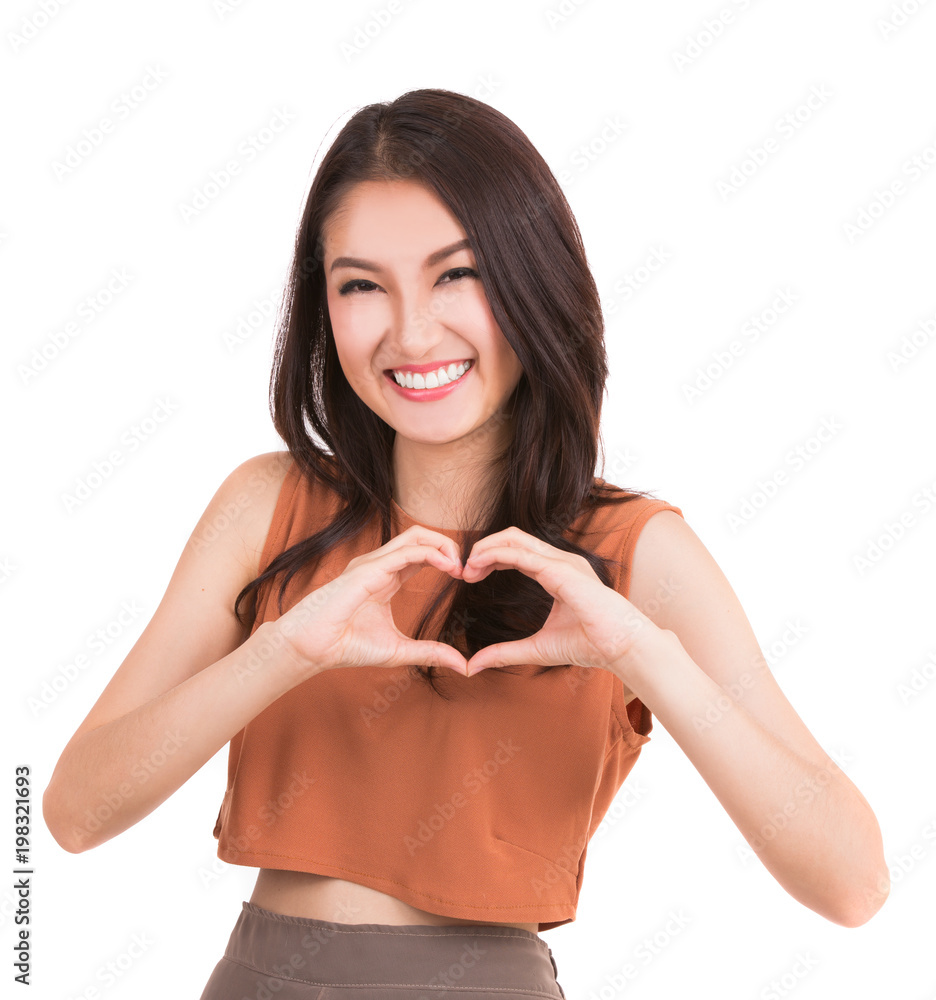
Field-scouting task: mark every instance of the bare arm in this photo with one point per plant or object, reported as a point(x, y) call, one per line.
point(188, 685)
point(116, 774)
point(706, 679)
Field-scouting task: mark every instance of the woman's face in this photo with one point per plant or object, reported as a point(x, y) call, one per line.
point(401, 298)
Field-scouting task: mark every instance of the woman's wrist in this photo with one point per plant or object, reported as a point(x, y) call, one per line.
point(646, 651)
point(275, 650)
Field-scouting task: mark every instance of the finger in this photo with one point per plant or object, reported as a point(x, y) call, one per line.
point(503, 654)
point(512, 537)
point(398, 560)
point(421, 535)
point(506, 557)
point(426, 536)
point(425, 653)
point(419, 555)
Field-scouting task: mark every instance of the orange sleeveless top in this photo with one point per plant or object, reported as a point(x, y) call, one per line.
point(477, 807)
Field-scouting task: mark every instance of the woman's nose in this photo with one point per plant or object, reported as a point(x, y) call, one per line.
point(417, 328)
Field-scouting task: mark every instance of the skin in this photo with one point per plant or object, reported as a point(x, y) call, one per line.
point(406, 313)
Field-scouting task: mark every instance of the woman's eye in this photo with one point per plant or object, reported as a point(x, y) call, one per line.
point(460, 272)
point(354, 286)
point(357, 284)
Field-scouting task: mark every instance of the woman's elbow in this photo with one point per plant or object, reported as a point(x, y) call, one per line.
point(63, 832)
point(863, 907)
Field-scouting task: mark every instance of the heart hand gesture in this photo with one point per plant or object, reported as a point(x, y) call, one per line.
point(590, 625)
point(348, 622)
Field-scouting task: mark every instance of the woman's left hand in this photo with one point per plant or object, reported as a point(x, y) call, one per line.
point(590, 625)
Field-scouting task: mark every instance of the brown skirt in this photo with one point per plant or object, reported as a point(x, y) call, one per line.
point(271, 955)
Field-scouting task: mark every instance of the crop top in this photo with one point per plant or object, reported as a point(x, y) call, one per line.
point(477, 807)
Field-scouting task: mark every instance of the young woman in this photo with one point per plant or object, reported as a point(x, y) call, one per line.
point(423, 631)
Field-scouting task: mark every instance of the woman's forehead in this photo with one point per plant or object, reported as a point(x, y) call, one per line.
point(402, 218)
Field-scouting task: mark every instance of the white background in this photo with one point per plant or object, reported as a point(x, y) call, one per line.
point(861, 631)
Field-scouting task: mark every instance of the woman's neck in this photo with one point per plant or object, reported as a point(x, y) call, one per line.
point(445, 485)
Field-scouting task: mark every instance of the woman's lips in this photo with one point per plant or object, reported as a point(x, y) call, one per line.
point(428, 395)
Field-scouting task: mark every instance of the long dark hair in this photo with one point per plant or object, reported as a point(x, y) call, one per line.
point(534, 271)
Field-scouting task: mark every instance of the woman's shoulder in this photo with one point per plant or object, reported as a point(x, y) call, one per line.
point(256, 483)
point(249, 497)
point(277, 480)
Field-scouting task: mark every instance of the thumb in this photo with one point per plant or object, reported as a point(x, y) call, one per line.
point(503, 654)
point(434, 654)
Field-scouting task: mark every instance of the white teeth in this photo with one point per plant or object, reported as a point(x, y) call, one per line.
point(430, 380)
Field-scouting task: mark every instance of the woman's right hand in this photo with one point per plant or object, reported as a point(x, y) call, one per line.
point(348, 622)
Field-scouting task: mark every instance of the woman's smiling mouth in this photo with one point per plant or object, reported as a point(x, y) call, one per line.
point(430, 385)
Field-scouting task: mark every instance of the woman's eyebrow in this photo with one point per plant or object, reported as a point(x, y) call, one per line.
point(431, 260)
